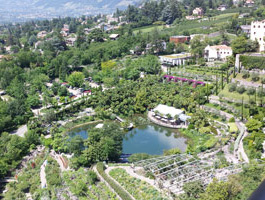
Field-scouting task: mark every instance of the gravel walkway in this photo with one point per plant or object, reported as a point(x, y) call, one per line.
point(43, 175)
point(21, 131)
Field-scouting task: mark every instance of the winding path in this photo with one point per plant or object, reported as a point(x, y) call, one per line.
point(239, 147)
point(43, 175)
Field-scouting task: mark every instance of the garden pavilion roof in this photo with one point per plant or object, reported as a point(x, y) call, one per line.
point(164, 110)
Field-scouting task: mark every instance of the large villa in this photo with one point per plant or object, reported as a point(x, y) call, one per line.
point(169, 117)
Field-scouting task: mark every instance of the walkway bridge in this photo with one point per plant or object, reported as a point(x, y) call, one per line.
point(122, 120)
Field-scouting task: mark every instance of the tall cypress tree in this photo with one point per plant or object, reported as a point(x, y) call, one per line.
point(211, 4)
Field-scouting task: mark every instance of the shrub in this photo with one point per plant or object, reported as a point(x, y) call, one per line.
point(246, 75)
point(251, 91)
point(232, 120)
point(251, 62)
point(254, 77)
point(232, 87)
point(241, 89)
point(263, 80)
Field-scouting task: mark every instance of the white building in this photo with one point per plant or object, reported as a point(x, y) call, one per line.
point(258, 33)
point(42, 34)
point(222, 7)
point(218, 52)
point(197, 11)
point(175, 59)
point(114, 36)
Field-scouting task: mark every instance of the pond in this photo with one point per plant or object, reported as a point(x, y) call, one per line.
point(151, 139)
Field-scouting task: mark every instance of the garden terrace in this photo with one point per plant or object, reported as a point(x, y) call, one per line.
point(143, 190)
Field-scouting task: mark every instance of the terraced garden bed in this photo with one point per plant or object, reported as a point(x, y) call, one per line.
point(139, 189)
point(84, 185)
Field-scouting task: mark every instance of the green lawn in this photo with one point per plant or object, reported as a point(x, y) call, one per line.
point(234, 95)
point(240, 77)
point(195, 26)
point(226, 15)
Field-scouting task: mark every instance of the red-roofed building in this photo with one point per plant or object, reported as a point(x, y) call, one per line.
point(179, 39)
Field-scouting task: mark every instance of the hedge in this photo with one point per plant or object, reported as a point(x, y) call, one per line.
point(120, 191)
point(252, 62)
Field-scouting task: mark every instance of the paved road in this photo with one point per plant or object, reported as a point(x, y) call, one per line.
point(21, 131)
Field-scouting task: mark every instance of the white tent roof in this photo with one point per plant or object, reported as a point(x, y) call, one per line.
point(164, 109)
point(184, 117)
point(99, 126)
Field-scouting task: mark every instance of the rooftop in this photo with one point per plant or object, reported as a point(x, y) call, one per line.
point(179, 36)
point(176, 56)
point(221, 47)
point(164, 110)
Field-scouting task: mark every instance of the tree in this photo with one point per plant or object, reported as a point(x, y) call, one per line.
point(96, 35)
point(108, 65)
point(197, 46)
point(192, 190)
point(76, 79)
point(32, 40)
point(50, 116)
point(211, 4)
point(218, 191)
point(253, 125)
point(242, 44)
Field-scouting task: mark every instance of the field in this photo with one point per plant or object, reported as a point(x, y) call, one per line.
point(240, 77)
point(235, 95)
point(147, 29)
point(195, 26)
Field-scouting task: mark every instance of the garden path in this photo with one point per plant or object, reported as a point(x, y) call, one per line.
point(43, 175)
point(241, 150)
point(21, 131)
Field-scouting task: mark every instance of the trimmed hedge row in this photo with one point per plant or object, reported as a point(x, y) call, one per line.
point(120, 191)
point(252, 62)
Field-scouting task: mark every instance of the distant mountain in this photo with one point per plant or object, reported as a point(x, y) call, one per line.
point(18, 10)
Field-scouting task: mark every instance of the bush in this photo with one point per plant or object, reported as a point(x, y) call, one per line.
point(232, 87)
point(251, 62)
point(251, 91)
point(254, 77)
point(241, 89)
point(246, 75)
point(232, 120)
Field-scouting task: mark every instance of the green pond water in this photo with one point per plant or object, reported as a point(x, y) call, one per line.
point(151, 139)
